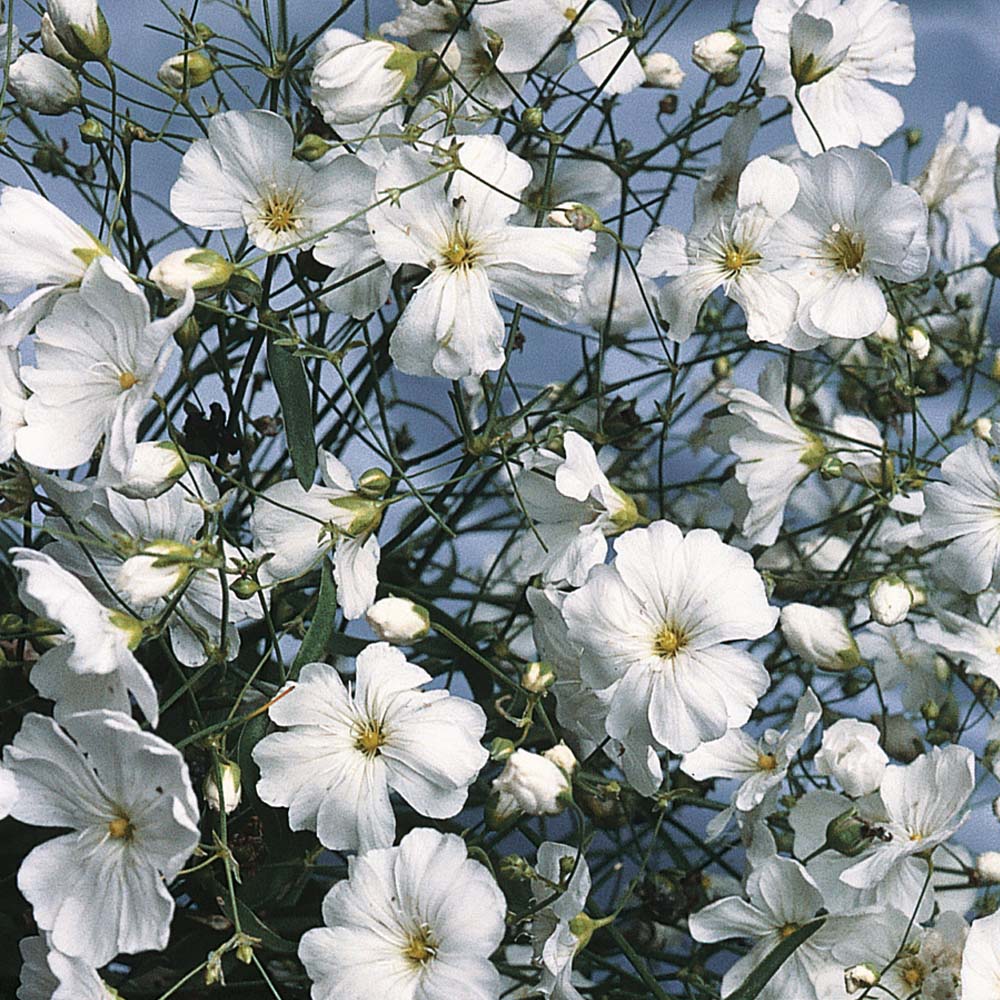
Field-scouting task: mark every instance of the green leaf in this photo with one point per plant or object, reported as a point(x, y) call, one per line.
point(289, 376)
point(751, 987)
point(317, 639)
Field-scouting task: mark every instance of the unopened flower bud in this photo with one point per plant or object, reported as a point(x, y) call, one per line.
point(982, 428)
point(861, 977)
point(718, 52)
point(996, 808)
point(574, 215)
point(562, 757)
point(81, 28)
point(722, 367)
point(537, 677)
point(91, 131)
point(398, 620)
point(889, 599)
point(832, 467)
point(988, 866)
point(43, 85)
point(501, 748)
point(374, 483)
point(848, 834)
point(232, 788)
point(888, 332)
point(662, 70)
point(155, 467)
point(244, 588)
point(53, 48)
point(851, 754)
point(186, 70)
point(158, 569)
point(312, 148)
point(354, 78)
point(532, 118)
point(820, 636)
point(204, 271)
point(916, 342)
point(532, 784)
point(992, 262)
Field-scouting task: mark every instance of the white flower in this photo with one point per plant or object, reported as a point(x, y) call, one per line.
point(398, 620)
point(40, 247)
point(964, 511)
point(80, 28)
point(718, 52)
point(655, 629)
point(957, 186)
point(832, 51)
point(452, 326)
point(901, 660)
point(126, 799)
point(299, 526)
point(556, 933)
point(47, 974)
point(347, 749)
point(662, 70)
point(204, 271)
point(530, 783)
point(820, 636)
point(631, 307)
point(916, 343)
point(572, 508)
point(12, 399)
point(530, 28)
point(734, 254)
point(562, 757)
point(781, 897)
point(93, 667)
point(851, 225)
point(978, 645)
point(244, 176)
point(115, 530)
point(981, 959)
point(923, 803)
point(889, 599)
point(353, 78)
point(760, 765)
point(716, 190)
point(186, 70)
point(8, 792)
point(851, 754)
point(988, 866)
point(774, 454)
point(232, 787)
point(98, 359)
point(858, 444)
point(41, 84)
point(423, 914)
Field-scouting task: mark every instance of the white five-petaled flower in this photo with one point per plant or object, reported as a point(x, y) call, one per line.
point(244, 176)
point(98, 358)
point(715, 192)
point(573, 508)
point(734, 255)
point(851, 225)
point(300, 526)
point(923, 803)
point(346, 749)
point(829, 51)
point(760, 765)
point(41, 248)
point(461, 234)
point(774, 454)
point(531, 28)
point(964, 511)
point(656, 629)
point(978, 645)
point(93, 666)
point(126, 798)
point(423, 914)
point(957, 186)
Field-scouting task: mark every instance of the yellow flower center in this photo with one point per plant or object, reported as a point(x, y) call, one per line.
point(280, 212)
point(369, 737)
point(571, 13)
point(420, 946)
point(767, 761)
point(788, 930)
point(668, 640)
point(460, 252)
point(120, 828)
point(737, 258)
point(845, 249)
point(127, 379)
point(913, 973)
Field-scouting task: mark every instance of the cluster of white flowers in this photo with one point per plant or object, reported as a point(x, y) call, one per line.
point(641, 635)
